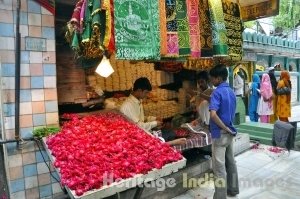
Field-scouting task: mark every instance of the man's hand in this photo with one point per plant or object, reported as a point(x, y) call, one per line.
point(195, 122)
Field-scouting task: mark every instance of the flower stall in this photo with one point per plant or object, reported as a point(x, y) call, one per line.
point(160, 40)
point(100, 155)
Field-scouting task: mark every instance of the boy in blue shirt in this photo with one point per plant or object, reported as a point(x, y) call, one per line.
point(222, 111)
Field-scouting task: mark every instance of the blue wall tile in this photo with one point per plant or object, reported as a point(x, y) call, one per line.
point(23, 18)
point(11, 148)
point(30, 170)
point(37, 82)
point(17, 185)
point(39, 157)
point(25, 95)
point(39, 119)
point(54, 173)
point(25, 57)
point(26, 132)
point(48, 33)
point(7, 30)
point(45, 190)
point(8, 70)
point(51, 106)
point(34, 7)
point(9, 109)
point(49, 69)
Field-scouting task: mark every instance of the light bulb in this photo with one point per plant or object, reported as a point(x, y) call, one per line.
point(104, 69)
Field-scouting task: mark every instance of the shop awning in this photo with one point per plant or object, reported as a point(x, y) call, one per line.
point(256, 9)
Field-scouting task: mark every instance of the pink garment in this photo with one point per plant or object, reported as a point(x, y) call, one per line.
point(193, 17)
point(172, 43)
point(75, 20)
point(265, 102)
point(266, 87)
point(264, 118)
point(82, 13)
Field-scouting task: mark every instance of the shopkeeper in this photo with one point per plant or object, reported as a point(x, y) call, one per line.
point(133, 108)
point(203, 98)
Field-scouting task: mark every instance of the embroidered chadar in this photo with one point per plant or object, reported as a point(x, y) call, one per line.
point(137, 33)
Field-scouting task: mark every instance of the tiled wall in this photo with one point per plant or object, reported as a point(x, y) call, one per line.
point(28, 175)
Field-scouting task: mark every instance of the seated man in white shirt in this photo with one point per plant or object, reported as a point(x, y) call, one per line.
point(133, 108)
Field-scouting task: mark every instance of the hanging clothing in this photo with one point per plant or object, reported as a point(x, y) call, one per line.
point(206, 29)
point(137, 33)
point(284, 101)
point(254, 97)
point(109, 37)
point(193, 20)
point(172, 26)
point(163, 28)
point(219, 38)
point(265, 104)
point(234, 29)
point(183, 28)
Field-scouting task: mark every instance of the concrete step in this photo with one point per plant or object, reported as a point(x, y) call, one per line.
point(256, 133)
point(249, 131)
point(256, 126)
point(262, 140)
point(258, 130)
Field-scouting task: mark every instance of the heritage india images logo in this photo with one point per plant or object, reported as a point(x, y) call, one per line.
point(207, 180)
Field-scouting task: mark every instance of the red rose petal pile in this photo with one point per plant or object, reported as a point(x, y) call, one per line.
point(88, 148)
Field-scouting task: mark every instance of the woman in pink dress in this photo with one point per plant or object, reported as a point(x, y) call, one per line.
point(265, 104)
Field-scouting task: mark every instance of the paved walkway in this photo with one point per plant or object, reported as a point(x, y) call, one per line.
point(262, 174)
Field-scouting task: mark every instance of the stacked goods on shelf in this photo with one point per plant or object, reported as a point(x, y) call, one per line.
point(182, 101)
point(161, 109)
point(184, 97)
point(158, 94)
point(127, 72)
point(114, 103)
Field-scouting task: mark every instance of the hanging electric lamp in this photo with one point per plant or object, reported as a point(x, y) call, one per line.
point(104, 68)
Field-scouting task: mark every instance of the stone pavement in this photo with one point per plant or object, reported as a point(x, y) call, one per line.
point(262, 174)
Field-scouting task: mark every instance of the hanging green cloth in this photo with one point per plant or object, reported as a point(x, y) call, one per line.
point(94, 30)
point(205, 29)
point(219, 38)
point(86, 34)
point(234, 29)
point(137, 33)
point(183, 28)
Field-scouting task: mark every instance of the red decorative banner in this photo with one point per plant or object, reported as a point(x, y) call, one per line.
point(48, 4)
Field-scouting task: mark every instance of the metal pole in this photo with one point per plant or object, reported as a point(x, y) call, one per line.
point(17, 74)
